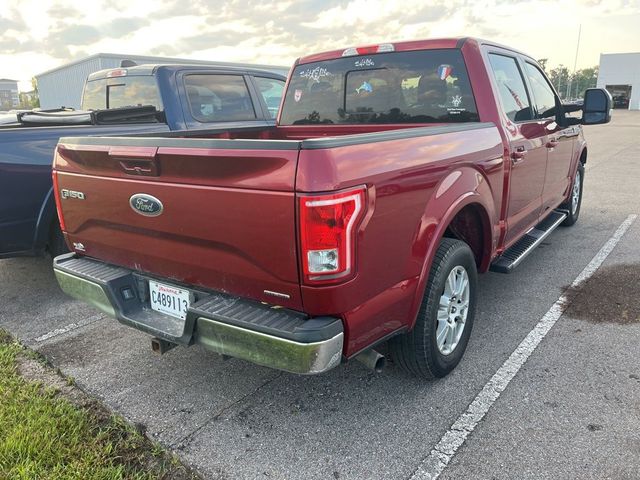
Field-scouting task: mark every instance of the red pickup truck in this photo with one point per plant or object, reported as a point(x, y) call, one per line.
point(394, 175)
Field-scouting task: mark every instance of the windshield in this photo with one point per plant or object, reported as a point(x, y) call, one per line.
point(429, 86)
point(119, 92)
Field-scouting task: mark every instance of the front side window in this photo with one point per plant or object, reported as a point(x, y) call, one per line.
point(428, 86)
point(219, 98)
point(271, 91)
point(543, 95)
point(511, 88)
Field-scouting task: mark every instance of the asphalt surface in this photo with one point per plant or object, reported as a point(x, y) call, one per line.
point(572, 411)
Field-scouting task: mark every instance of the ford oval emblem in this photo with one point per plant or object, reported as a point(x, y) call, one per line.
point(146, 205)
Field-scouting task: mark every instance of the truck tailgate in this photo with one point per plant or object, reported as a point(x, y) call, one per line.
point(214, 213)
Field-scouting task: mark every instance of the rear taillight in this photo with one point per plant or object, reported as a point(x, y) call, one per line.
point(56, 194)
point(328, 234)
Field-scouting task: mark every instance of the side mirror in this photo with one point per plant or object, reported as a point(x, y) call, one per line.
point(597, 106)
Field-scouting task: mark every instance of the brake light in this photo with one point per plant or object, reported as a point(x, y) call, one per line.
point(56, 194)
point(121, 72)
point(370, 50)
point(327, 233)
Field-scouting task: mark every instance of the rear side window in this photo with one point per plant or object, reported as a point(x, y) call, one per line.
point(121, 92)
point(544, 98)
point(271, 91)
point(429, 86)
point(513, 93)
point(219, 98)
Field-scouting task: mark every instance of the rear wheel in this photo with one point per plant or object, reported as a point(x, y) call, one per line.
point(439, 338)
point(57, 245)
point(573, 204)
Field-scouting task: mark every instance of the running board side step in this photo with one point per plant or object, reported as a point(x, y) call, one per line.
point(516, 253)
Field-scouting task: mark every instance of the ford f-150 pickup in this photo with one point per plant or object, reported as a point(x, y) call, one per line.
point(176, 97)
point(394, 175)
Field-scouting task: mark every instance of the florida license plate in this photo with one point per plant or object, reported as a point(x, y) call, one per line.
point(169, 300)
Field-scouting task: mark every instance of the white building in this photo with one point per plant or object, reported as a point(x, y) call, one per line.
point(62, 86)
point(8, 94)
point(620, 74)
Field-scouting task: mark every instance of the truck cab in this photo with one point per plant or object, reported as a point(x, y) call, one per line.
point(190, 97)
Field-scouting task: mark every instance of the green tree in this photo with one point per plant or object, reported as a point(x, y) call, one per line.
point(560, 77)
point(583, 79)
point(543, 63)
point(573, 85)
point(30, 99)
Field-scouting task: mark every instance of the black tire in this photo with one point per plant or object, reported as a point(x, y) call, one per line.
point(417, 351)
point(57, 245)
point(569, 204)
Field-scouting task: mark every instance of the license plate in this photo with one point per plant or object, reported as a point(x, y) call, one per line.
point(169, 300)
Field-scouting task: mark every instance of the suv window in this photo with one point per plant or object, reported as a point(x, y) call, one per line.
point(271, 90)
point(510, 83)
point(428, 86)
point(121, 92)
point(544, 98)
point(219, 98)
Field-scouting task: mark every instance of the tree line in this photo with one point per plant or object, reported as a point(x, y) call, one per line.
point(570, 85)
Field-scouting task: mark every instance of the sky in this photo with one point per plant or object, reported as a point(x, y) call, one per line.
point(37, 35)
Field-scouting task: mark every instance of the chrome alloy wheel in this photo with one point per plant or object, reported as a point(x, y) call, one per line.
point(575, 193)
point(453, 310)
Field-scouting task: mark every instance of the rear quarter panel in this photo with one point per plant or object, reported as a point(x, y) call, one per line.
point(414, 187)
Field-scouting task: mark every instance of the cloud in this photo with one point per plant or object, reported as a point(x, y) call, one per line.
point(175, 8)
point(13, 46)
point(365, 13)
point(11, 19)
point(278, 31)
point(60, 11)
point(204, 41)
point(121, 27)
point(67, 35)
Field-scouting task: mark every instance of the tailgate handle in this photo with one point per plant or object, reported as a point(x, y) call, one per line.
point(136, 160)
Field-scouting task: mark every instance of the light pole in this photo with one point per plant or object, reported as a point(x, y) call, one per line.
point(575, 63)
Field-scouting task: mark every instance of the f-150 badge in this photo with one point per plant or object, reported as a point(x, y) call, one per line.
point(65, 193)
point(146, 205)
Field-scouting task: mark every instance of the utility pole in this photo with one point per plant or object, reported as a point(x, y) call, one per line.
point(575, 63)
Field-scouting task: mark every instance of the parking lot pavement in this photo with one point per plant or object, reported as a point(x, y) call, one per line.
point(572, 411)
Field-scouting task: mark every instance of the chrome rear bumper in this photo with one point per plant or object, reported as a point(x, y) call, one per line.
point(302, 345)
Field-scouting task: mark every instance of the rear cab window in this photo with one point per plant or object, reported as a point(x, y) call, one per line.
point(117, 92)
point(427, 86)
point(218, 98)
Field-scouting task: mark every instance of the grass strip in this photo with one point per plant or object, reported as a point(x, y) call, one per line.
point(45, 435)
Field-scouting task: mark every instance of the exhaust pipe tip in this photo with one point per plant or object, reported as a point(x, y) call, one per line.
point(372, 360)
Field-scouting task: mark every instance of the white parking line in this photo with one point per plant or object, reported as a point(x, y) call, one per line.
point(433, 465)
point(68, 328)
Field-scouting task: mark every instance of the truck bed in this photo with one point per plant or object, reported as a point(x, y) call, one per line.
point(229, 216)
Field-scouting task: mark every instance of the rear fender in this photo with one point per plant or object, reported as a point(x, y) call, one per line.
point(460, 188)
point(46, 217)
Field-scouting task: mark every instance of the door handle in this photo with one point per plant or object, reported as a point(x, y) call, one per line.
point(134, 167)
point(518, 155)
point(552, 143)
point(136, 160)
